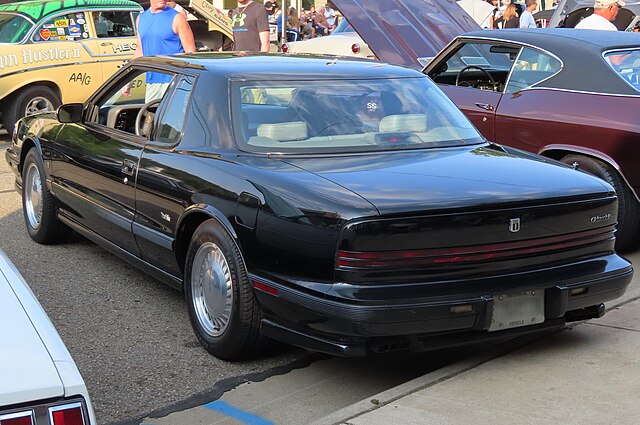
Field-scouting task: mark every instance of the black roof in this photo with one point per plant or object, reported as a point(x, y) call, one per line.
point(580, 51)
point(271, 67)
point(563, 38)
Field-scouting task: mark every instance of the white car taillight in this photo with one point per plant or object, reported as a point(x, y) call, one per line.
point(66, 414)
point(69, 412)
point(355, 48)
point(285, 48)
point(17, 418)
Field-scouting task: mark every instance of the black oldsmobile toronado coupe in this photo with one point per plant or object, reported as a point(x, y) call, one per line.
point(341, 205)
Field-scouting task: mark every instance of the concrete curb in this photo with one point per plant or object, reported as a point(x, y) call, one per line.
point(342, 416)
point(389, 396)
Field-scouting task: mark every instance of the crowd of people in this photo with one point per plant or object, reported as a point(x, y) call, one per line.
point(510, 14)
point(163, 28)
point(304, 25)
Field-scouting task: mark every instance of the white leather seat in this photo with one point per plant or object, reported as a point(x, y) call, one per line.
point(416, 123)
point(285, 131)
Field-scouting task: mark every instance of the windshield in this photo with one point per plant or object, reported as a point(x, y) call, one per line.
point(343, 26)
point(13, 28)
point(347, 116)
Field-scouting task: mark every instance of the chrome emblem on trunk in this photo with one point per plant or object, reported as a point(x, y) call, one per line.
point(599, 218)
point(514, 225)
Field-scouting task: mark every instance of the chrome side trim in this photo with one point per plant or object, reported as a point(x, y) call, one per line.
point(583, 92)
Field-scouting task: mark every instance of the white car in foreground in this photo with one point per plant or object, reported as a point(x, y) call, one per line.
point(39, 381)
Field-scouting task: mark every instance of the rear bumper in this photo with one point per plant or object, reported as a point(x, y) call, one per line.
point(350, 325)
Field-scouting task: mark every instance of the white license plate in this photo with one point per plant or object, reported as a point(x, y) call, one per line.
point(517, 309)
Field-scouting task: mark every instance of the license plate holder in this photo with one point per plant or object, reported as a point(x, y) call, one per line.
point(516, 309)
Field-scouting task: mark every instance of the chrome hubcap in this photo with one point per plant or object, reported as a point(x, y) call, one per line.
point(38, 104)
point(212, 289)
point(33, 196)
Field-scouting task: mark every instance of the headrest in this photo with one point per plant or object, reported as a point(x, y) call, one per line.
point(284, 131)
point(407, 122)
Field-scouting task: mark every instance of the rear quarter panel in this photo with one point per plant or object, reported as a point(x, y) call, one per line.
point(603, 126)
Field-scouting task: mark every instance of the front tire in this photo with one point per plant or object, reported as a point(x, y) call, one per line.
point(222, 307)
point(628, 225)
point(38, 204)
point(29, 101)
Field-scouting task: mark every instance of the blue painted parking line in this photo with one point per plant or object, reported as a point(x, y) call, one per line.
point(233, 412)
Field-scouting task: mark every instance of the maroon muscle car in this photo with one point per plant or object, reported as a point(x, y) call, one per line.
point(572, 95)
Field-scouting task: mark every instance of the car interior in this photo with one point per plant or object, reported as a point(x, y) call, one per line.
point(126, 109)
point(354, 119)
point(113, 24)
point(494, 67)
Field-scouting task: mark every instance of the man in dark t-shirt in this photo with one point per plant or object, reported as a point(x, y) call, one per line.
point(250, 27)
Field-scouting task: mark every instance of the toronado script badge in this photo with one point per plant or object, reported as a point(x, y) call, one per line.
point(514, 225)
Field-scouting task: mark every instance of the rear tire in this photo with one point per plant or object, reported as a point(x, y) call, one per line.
point(221, 304)
point(27, 102)
point(628, 208)
point(39, 205)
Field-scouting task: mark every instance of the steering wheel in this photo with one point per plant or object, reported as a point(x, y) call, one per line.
point(484, 71)
point(142, 127)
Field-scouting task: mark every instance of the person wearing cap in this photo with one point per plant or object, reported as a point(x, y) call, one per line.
point(604, 13)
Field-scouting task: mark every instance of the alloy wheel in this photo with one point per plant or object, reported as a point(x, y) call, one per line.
point(33, 195)
point(212, 289)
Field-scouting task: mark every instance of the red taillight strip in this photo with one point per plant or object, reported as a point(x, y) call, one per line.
point(424, 257)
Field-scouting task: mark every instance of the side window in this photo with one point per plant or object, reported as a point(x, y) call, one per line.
point(72, 26)
point(484, 66)
point(626, 63)
point(531, 67)
point(119, 107)
point(274, 96)
point(113, 24)
point(172, 123)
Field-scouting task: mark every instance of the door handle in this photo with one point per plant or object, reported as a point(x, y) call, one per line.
point(485, 106)
point(128, 167)
point(106, 43)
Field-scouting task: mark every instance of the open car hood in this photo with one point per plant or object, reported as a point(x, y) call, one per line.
point(479, 10)
point(407, 32)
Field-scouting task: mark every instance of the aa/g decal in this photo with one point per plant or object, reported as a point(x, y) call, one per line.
point(82, 78)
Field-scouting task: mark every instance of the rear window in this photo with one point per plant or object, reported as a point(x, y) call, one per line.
point(626, 63)
point(346, 116)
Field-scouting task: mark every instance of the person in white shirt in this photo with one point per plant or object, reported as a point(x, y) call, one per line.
point(604, 13)
point(526, 19)
point(330, 14)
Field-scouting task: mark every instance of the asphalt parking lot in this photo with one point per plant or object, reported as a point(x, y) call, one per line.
point(131, 338)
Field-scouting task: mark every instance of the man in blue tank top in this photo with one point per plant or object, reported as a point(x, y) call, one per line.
point(162, 31)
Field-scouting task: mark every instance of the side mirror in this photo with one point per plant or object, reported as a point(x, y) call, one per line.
point(70, 113)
